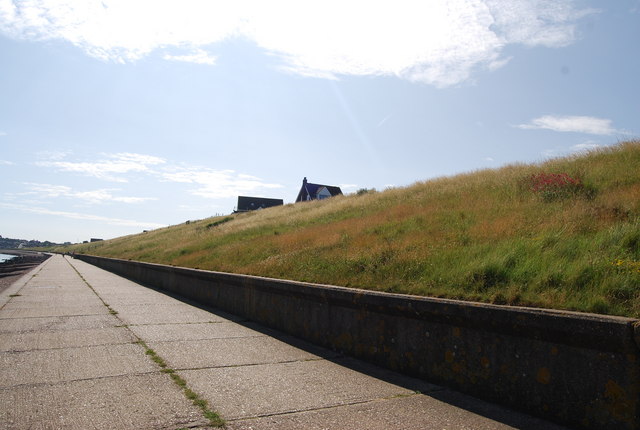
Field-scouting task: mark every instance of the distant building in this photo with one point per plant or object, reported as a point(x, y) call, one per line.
point(311, 191)
point(246, 204)
point(93, 239)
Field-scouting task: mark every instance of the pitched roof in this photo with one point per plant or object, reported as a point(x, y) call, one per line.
point(253, 203)
point(309, 191)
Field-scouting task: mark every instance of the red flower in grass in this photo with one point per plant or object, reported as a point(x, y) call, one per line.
point(554, 186)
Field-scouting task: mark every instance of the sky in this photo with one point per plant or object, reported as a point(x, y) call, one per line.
point(119, 116)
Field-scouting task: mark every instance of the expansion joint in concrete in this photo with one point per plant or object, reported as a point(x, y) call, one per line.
point(72, 380)
point(232, 366)
point(67, 347)
point(48, 317)
point(317, 409)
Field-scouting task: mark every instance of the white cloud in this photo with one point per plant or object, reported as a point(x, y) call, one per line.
point(6, 163)
point(576, 124)
point(586, 146)
point(52, 155)
point(81, 216)
point(439, 42)
point(210, 183)
point(547, 23)
point(216, 184)
point(120, 30)
point(93, 196)
point(199, 56)
point(347, 187)
point(48, 191)
point(2, 133)
point(110, 169)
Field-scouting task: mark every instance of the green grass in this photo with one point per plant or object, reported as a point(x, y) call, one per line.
point(214, 419)
point(484, 236)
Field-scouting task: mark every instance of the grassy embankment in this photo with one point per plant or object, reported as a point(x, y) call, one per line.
point(503, 236)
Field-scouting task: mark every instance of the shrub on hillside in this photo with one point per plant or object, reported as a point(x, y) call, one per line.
point(362, 191)
point(558, 186)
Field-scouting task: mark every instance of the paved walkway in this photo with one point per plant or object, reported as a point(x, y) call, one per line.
point(80, 347)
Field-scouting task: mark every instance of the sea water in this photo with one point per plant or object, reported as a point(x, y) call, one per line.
point(5, 257)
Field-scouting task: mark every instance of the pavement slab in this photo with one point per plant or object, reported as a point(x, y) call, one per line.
point(149, 401)
point(61, 299)
point(412, 412)
point(171, 313)
point(193, 331)
point(11, 311)
point(32, 340)
point(258, 390)
point(76, 322)
point(195, 354)
point(131, 294)
point(68, 364)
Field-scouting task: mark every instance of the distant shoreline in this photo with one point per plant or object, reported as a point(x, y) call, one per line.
point(9, 279)
point(16, 251)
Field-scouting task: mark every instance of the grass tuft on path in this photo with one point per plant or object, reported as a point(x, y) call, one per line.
point(215, 420)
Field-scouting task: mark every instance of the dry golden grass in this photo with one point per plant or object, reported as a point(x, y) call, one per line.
point(481, 236)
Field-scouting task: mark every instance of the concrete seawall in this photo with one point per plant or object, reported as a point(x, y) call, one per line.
point(578, 369)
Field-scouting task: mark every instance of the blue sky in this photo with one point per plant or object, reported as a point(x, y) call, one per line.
point(123, 116)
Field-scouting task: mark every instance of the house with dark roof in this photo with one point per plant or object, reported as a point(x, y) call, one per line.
point(311, 191)
point(246, 204)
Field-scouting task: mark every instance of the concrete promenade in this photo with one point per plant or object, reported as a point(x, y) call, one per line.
point(73, 343)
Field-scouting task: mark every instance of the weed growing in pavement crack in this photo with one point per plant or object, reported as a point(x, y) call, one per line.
point(214, 419)
point(152, 354)
point(178, 380)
